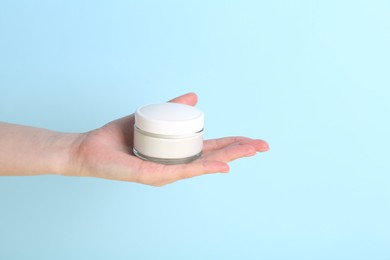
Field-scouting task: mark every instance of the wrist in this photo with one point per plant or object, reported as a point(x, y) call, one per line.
point(61, 152)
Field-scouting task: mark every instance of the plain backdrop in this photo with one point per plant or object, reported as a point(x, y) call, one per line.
point(310, 77)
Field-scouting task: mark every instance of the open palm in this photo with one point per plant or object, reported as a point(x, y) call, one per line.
point(107, 153)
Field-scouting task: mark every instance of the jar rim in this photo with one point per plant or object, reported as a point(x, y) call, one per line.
point(167, 136)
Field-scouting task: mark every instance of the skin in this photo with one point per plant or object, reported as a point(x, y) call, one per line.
point(106, 153)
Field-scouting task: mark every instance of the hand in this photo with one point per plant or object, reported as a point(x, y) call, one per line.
point(107, 153)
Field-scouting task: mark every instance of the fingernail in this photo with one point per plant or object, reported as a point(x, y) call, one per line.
point(225, 169)
point(263, 146)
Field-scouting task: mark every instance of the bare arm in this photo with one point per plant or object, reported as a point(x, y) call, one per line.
point(106, 153)
point(28, 150)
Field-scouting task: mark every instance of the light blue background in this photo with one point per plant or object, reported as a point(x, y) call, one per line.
point(311, 77)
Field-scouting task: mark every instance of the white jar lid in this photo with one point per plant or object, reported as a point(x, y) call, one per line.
point(169, 119)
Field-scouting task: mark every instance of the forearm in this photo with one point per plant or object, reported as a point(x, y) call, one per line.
point(30, 151)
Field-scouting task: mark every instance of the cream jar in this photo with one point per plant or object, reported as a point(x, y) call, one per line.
point(168, 133)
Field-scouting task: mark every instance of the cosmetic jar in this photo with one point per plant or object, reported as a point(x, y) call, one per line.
point(168, 133)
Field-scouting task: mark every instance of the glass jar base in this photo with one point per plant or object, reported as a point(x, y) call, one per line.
point(166, 161)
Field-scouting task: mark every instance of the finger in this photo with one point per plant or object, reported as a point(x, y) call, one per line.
point(188, 99)
point(260, 145)
point(216, 144)
point(232, 152)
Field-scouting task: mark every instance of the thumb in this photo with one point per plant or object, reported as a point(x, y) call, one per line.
point(187, 99)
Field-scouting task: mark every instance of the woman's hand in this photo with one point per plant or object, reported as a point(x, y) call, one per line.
point(107, 153)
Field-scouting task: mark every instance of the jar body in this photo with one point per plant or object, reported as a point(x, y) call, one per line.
point(167, 149)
